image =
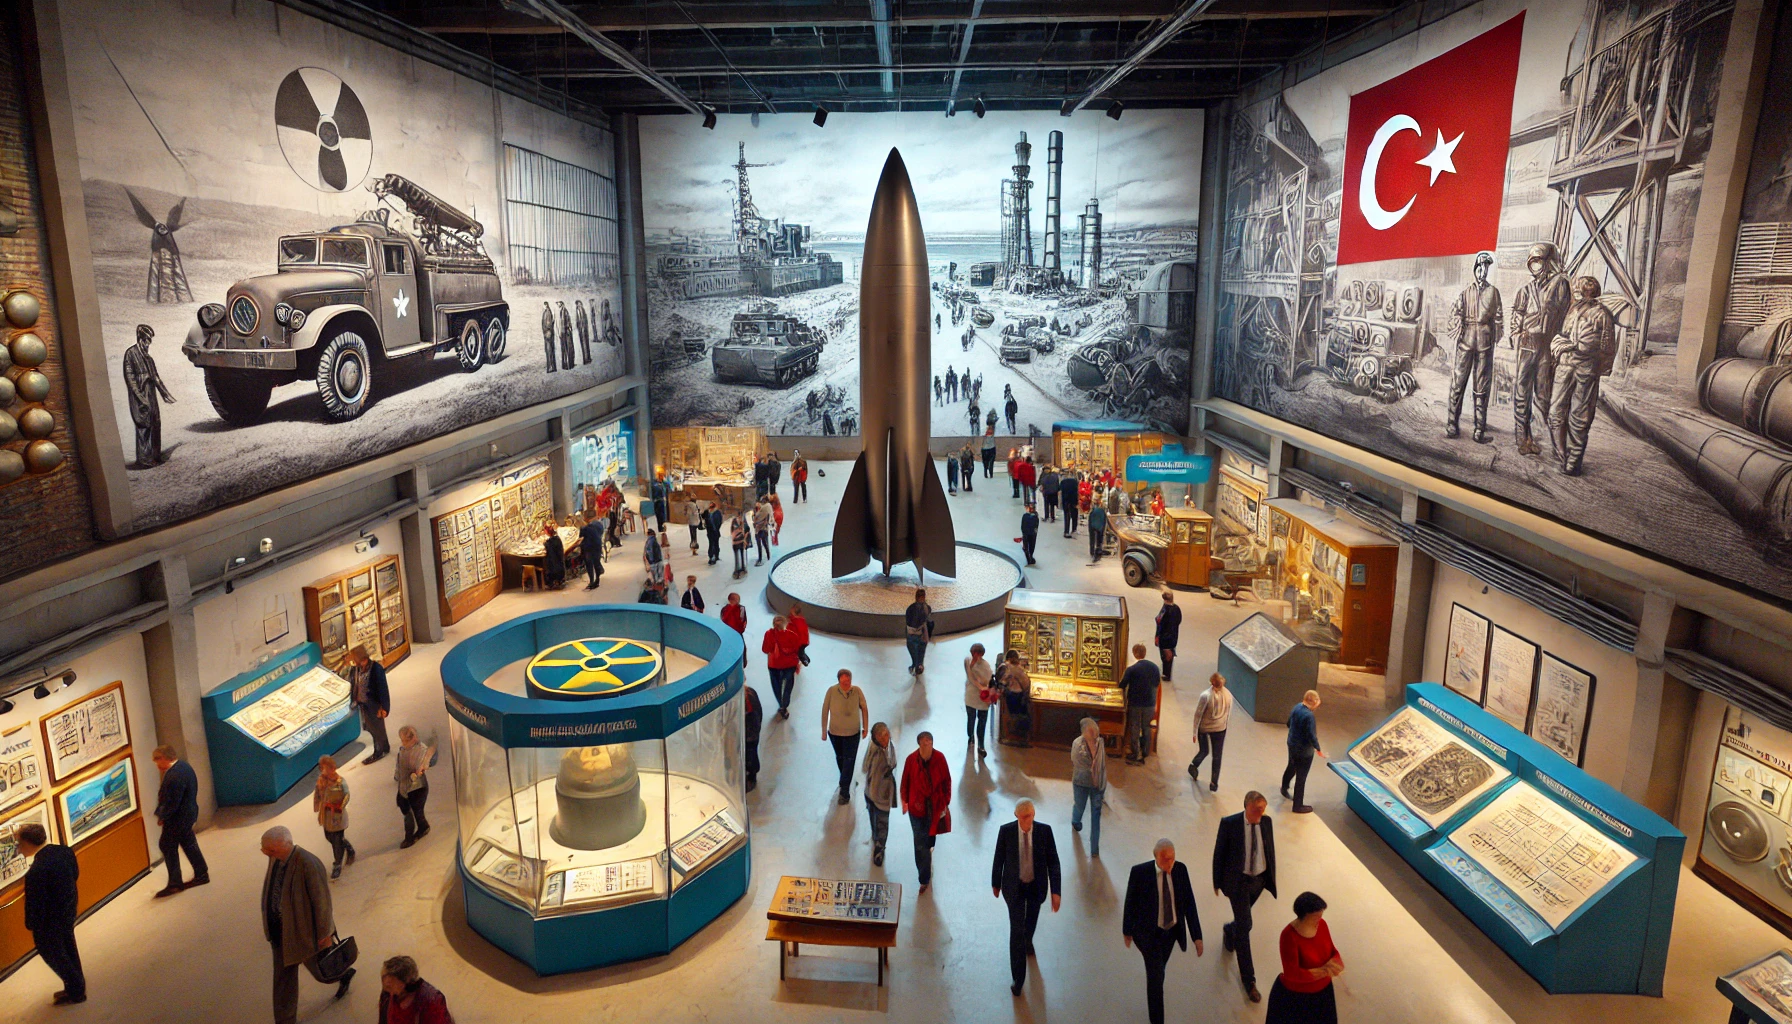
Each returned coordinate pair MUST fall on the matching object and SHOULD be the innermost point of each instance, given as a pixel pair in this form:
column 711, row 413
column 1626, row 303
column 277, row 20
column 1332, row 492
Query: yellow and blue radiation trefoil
column 593, row 667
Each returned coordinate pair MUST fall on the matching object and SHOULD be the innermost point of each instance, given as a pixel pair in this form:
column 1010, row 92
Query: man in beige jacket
column 296, row 918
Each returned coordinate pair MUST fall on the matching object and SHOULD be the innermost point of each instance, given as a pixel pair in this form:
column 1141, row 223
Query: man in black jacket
column 1067, row 498
column 372, row 698
column 1160, row 915
column 51, row 900
column 1029, row 533
column 591, row 549
column 1169, row 630
column 692, row 600
column 1244, row 865
column 755, row 718
column 177, row 808
column 712, row 525
column 1026, row 866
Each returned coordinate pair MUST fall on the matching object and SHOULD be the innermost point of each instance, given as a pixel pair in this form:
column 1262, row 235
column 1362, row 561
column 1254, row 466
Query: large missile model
column 894, row 508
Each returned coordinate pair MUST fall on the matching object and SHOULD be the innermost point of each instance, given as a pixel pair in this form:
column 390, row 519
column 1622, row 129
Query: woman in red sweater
column 781, row 648
column 1303, row 992
column 927, row 800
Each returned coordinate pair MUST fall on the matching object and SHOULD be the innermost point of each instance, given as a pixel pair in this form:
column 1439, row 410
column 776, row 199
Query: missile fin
column 851, row 526
column 936, row 544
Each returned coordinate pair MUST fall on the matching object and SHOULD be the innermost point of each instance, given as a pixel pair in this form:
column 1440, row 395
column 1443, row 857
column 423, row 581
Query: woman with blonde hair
column 330, row 801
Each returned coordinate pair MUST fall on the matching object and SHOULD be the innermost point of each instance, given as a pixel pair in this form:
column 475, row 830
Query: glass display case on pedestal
column 599, row 768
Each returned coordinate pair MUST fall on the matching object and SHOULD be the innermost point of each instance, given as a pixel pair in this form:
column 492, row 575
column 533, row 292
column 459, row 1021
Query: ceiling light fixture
column 42, row 691
column 1067, row 108
column 755, row 119
column 821, row 116
column 709, row 118
column 1115, row 109
column 978, row 108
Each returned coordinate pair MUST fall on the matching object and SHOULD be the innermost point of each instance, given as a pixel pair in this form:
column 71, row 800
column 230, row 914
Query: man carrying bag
column 299, row 924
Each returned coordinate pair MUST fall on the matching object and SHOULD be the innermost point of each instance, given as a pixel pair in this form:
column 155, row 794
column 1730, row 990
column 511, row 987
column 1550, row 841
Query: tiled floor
column 1411, row 957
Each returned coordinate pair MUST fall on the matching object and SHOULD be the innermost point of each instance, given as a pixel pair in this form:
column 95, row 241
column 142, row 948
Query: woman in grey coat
column 1088, row 781
column 880, row 788
column 413, row 785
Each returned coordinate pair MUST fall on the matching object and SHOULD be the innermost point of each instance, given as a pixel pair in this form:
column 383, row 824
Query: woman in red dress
column 1303, row 992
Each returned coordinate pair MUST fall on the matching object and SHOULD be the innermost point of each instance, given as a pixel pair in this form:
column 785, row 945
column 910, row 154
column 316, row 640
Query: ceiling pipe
column 552, row 10
column 964, row 50
column 880, row 21
column 1168, row 31
column 717, row 44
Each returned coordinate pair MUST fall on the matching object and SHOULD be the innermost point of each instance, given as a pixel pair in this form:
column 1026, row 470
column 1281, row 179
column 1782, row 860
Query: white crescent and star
column 1441, row 159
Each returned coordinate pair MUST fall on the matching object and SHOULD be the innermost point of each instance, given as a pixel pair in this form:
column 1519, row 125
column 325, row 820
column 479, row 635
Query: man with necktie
column 1244, row 865
column 1026, row 866
column 1159, row 915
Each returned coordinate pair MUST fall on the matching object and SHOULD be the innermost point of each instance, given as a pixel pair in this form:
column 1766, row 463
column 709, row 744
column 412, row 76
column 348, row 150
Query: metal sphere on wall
column 33, row 386
column 42, row 456
column 12, row 465
column 22, row 308
column 29, row 350
column 36, row 422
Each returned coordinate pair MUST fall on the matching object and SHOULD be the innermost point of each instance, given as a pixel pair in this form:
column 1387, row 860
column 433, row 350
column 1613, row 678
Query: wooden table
column 790, row 935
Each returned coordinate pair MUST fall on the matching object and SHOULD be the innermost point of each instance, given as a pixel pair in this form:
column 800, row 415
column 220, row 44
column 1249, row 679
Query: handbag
column 335, row 961
column 943, row 824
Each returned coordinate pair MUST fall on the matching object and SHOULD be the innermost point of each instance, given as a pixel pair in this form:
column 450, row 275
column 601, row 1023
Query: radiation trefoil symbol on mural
column 593, row 667
column 323, row 130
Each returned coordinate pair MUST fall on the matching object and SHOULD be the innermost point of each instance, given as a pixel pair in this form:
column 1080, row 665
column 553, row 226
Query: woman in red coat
column 800, row 626
column 782, row 651
column 1029, row 478
column 927, row 800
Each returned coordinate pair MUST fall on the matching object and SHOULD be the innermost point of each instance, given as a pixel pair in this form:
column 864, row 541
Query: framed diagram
column 79, row 734
column 1511, row 677
column 1465, row 657
column 1766, row 984
column 13, row 866
column 95, row 801
column 359, row 584
column 21, row 769
column 1564, row 705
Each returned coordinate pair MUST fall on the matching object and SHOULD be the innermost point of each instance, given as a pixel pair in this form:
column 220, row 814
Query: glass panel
column 706, row 790
column 352, row 251
column 487, row 817
column 594, row 819
column 298, row 250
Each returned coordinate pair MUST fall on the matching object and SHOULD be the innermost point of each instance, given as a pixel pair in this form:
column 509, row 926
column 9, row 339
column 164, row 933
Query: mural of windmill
column 167, row 281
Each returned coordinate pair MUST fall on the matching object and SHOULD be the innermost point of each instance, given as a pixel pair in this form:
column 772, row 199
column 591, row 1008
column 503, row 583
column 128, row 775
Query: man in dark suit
column 1026, row 866
column 177, row 809
column 1244, row 865
column 1160, row 915
column 591, row 549
column 51, row 900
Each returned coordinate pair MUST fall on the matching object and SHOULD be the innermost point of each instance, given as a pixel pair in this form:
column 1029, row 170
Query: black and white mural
column 1544, row 365
column 1062, row 252
column 311, row 250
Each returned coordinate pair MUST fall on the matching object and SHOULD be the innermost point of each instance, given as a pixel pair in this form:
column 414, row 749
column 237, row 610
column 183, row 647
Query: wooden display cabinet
column 1339, row 580
column 1096, row 445
column 360, row 606
column 1074, row 647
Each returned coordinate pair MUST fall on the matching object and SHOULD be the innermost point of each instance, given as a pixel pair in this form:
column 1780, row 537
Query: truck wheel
column 344, row 376
column 471, row 350
column 1133, row 568
column 240, row 398
column 494, row 340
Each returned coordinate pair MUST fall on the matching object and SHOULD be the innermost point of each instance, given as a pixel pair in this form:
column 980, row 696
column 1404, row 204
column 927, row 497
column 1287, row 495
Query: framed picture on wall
column 1511, row 677
column 1564, row 705
column 95, row 801
column 79, row 734
column 333, row 633
column 274, row 626
column 13, row 866
column 358, row 584
column 1465, row 656
column 21, row 770
column 329, row 597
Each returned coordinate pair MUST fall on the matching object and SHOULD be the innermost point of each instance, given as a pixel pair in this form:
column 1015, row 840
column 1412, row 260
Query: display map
column 1541, row 852
column 715, row 835
column 1768, row 984
column 295, row 714
column 836, row 900
column 1430, row 770
column 1257, row 642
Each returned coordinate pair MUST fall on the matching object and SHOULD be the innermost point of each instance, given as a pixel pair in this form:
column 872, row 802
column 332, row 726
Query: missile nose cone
column 893, row 237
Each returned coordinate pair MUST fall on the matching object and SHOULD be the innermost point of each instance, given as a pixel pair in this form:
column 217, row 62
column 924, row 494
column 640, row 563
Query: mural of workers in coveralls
column 1477, row 319
column 1537, row 314
column 547, row 335
column 583, row 323
column 1584, row 351
column 566, row 357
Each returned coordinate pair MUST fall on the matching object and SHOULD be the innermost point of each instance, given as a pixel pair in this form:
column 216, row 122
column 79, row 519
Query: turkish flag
column 1425, row 156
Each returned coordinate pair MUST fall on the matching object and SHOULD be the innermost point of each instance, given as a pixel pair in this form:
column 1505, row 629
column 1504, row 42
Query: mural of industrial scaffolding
column 1062, row 256
column 1545, row 369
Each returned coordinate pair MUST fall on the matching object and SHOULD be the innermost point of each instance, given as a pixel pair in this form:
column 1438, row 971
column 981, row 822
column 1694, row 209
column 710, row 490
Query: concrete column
column 632, row 232
column 1207, row 277
column 560, row 467
column 1281, row 454
column 1645, row 715
column 1744, row 78
column 171, row 652
column 1412, row 608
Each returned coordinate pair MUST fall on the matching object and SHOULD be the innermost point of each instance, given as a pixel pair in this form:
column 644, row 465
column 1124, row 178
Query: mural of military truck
column 344, row 302
column 767, row 347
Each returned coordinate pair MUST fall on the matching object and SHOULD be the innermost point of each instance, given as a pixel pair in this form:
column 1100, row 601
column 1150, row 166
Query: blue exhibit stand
column 1615, row 941
column 556, row 940
column 248, row 771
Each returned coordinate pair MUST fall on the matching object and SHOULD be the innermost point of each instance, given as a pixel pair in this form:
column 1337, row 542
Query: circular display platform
column 868, row 603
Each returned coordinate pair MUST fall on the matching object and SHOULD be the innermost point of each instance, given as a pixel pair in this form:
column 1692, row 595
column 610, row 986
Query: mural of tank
column 767, row 347
column 345, row 300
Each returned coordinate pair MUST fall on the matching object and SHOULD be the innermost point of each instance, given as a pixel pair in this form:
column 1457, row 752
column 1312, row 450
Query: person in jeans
column 1098, row 533
column 927, row 800
column 1303, row 743
column 405, row 998
column 1088, row 781
column 979, row 696
column 918, row 622
column 371, row 697
column 739, row 538
column 1017, row 698
column 781, row 646
column 413, row 785
column 755, row 718
column 1213, row 709
column 1140, row 684
column 845, row 719
column 762, row 530
column 330, row 802
column 1169, row 630
column 880, row 788
column 734, row 616
column 1029, row 533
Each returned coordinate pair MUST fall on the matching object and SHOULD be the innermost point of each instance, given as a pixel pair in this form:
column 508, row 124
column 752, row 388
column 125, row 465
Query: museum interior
column 1413, row 376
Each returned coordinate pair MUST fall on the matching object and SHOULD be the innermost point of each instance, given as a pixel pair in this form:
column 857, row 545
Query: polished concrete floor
column 1410, row 956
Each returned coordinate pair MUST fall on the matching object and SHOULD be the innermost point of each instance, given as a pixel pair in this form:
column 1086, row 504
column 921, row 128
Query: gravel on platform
column 807, row 577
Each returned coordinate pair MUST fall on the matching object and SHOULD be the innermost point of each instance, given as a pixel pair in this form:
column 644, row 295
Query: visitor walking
column 329, row 801
column 1303, row 992
column 411, row 774
column 1014, row 472
column 693, row 521
column 966, row 467
column 297, row 919
column 1029, row 479
column 845, row 720
column 800, row 626
column 762, row 530
column 734, row 616
column 738, row 537
column 980, row 695
column 372, row 698
column 1213, row 710
column 1159, row 916
column 405, row 998
column 177, row 809
column 1088, row 781
column 712, row 525
column 989, row 451
column 1025, row 868
column 1244, row 867
column 880, row 788
column 1303, row 743
column 927, row 800
column 780, row 647
column 591, row 550
column 917, row 622
column 1009, row 409
column 1048, row 492
column 1140, row 684
column 1169, row 630
column 1098, row 533
column 52, row 900
column 1029, row 533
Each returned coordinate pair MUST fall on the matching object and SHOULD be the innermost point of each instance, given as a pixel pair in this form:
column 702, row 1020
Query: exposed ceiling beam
column 554, row 11
column 880, row 25
column 733, row 70
column 717, row 44
column 1169, row 30
column 964, row 49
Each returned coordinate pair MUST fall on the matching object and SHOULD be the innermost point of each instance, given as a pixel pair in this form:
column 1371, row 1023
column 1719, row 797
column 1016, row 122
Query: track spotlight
column 709, row 118
column 1115, row 109
column 42, row 691
column 952, row 109
column 755, row 118
column 5, row 707
column 978, row 108
column 1067, row 108
column 821, row 116
column 68, row 679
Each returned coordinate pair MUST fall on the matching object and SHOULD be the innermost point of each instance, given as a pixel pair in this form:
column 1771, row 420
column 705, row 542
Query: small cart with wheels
column 1172, row 547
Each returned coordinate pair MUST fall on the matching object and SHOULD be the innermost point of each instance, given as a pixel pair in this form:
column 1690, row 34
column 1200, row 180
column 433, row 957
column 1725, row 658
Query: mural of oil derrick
column 1547, row 370
column 746, row 319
